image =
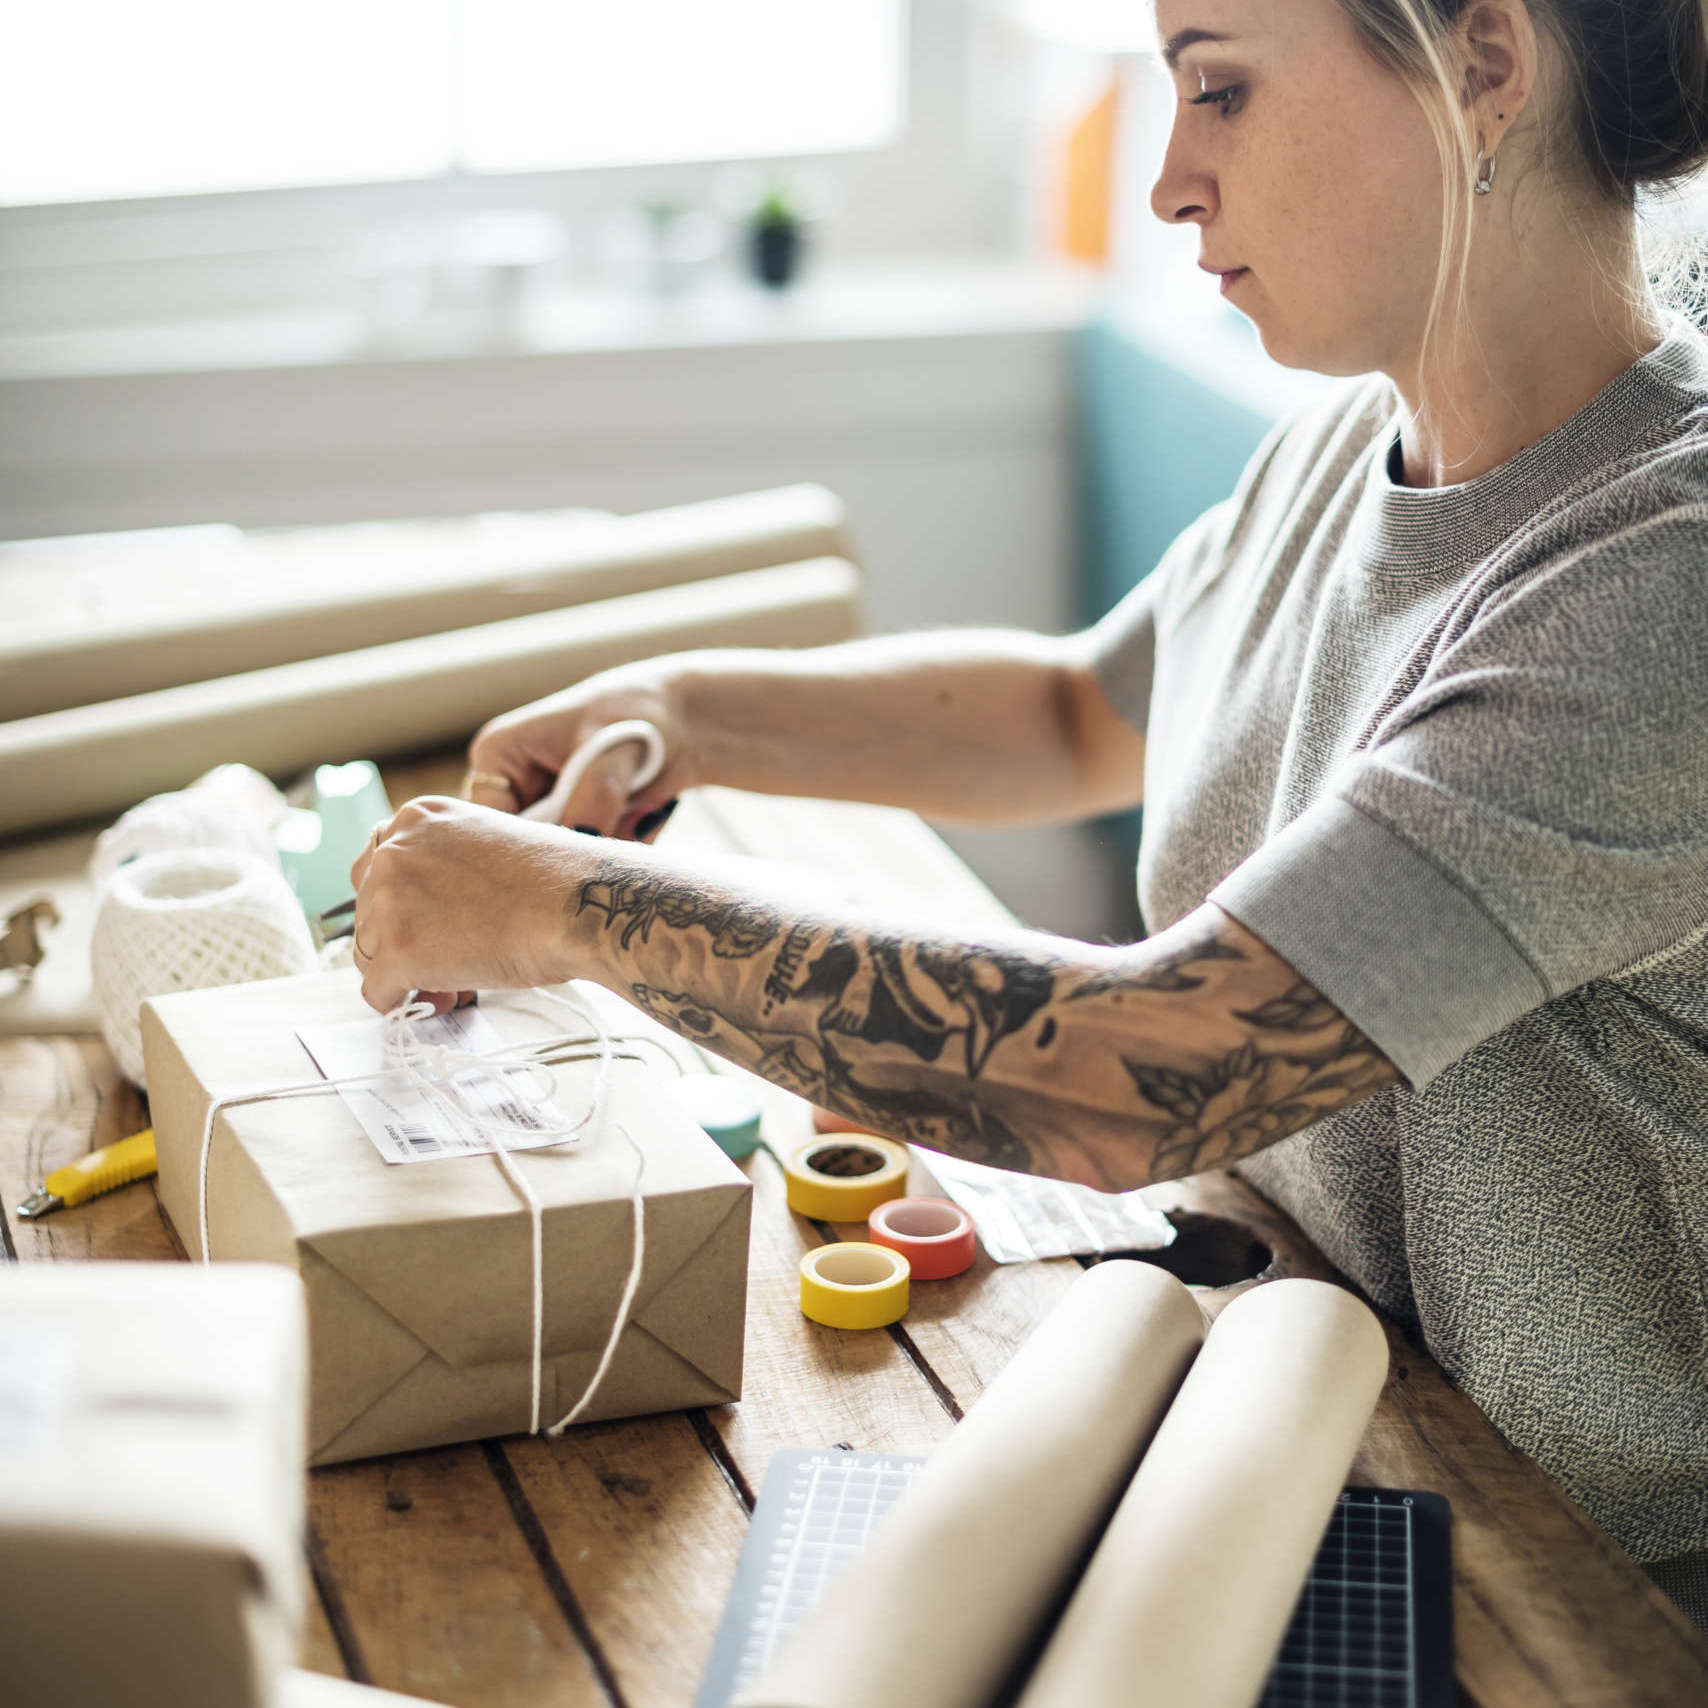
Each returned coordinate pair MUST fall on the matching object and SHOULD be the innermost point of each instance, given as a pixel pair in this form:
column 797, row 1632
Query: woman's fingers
column 507, row 769
column 492, row 789
column 459, row 897
column 381, row 993
column 599, row 799
column 359, row 870
column 380, row 987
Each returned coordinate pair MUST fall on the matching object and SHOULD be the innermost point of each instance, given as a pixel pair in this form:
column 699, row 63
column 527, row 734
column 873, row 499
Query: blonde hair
column 1412, row 37
column 1637, row 118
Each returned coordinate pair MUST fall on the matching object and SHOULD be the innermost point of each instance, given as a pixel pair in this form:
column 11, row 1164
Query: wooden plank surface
column 645, row 1524
column 442, row 1592
column 593, row 1569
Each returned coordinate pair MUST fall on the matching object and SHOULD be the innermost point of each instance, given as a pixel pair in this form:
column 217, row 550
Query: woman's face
column 1309, row 168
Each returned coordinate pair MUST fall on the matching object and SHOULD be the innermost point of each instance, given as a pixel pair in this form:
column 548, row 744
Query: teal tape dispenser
column 317, row 846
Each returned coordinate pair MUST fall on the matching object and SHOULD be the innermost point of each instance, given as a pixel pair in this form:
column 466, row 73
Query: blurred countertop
column 890, row 302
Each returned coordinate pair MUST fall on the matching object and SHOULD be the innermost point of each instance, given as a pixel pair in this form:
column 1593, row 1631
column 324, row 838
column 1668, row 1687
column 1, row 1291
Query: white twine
column 231, row 806
column 439, row 1072
column 186, row 919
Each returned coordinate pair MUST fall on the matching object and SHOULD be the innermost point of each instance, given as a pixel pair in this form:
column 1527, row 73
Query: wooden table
column 593, row 1569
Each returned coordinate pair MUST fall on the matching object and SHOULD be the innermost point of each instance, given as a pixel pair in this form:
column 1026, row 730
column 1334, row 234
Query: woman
column 1417, row 718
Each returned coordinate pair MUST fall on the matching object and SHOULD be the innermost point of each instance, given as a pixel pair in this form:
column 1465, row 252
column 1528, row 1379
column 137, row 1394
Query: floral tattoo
column 1116, row 1067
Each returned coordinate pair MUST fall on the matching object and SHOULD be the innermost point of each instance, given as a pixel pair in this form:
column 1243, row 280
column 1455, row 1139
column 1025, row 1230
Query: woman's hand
column 456, row 897
column 528, row 747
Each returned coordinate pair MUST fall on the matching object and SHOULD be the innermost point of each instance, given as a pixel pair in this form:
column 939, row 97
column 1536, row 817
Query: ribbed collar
column 1406, row 529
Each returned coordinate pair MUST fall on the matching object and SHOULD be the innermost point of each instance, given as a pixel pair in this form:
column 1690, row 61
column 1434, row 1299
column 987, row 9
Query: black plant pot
column 774, row 247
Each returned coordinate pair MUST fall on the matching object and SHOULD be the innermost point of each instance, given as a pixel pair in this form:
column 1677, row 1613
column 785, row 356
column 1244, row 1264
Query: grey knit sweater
column 1446, row 751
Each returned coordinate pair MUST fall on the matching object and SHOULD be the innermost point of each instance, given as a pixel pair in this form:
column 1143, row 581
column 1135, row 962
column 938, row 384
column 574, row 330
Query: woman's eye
column 1227, row 100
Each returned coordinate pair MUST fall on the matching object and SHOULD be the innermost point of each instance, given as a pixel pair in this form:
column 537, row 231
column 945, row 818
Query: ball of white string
column 186, row 919
column 232, row 806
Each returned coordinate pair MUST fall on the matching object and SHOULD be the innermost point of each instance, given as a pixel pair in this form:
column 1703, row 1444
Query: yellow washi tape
column 844, row 1177
column 854, row 1286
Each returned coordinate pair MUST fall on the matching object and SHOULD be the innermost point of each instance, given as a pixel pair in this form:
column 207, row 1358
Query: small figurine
column 21, row 947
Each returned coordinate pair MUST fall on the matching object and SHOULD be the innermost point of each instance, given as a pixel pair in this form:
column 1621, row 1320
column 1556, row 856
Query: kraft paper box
column 419, row 1275
column 151, row 1487
column 315, row 1690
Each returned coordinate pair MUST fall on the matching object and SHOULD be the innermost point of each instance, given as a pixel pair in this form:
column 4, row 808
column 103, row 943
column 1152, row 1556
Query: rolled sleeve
column 1532, row 816
column 1389, row 937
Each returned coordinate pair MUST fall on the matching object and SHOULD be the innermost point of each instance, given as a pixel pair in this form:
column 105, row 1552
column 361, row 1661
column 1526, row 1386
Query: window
column 102, row 100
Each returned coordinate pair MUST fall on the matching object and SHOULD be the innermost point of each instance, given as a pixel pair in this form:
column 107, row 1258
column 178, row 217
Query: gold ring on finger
column 356, row 947
column 487, row 780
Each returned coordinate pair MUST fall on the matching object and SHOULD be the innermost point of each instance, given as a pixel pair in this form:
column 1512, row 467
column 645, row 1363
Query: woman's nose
column 1184, row 194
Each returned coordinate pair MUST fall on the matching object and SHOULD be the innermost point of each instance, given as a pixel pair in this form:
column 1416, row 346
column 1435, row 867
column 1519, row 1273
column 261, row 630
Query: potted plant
column 775, row 238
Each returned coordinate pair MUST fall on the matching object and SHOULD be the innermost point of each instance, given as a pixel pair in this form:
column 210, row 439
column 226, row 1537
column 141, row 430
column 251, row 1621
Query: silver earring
column 1484, row 181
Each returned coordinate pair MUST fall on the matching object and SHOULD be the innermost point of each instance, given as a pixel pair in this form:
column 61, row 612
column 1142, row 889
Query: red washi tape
column 828, row 1121
column 935, row 1236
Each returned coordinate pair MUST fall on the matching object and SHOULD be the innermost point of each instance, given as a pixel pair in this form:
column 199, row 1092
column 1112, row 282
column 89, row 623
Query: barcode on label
column 422, row 1140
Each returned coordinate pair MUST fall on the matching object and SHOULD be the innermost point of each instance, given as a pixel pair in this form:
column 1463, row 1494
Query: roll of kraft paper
column 1188, row 1596
column 407, row 696
column 948, row 1595
column 285, row 590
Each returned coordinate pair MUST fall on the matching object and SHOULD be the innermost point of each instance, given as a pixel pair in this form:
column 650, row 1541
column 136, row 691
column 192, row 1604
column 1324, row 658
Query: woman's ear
column 1500, row 52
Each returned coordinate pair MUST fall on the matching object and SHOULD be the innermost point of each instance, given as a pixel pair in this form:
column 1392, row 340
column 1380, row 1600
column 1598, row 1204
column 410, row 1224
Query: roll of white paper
column 186, row 920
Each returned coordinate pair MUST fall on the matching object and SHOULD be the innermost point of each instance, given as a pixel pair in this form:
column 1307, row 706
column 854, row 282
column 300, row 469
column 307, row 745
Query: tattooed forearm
column 1162, row 972
column 1112, row 1066
column 1248, row 1100
column 779, row 982
column 634, row 902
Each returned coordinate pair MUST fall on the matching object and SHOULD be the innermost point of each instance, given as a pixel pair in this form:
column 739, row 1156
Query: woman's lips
column 1228, row 277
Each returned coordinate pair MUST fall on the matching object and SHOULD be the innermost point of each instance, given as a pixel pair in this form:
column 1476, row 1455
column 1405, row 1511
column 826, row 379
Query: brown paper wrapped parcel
column 151, row 1489
column 419, row 1276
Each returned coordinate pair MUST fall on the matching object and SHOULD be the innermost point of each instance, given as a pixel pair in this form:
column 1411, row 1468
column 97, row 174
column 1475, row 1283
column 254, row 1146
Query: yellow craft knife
column 100, row 1171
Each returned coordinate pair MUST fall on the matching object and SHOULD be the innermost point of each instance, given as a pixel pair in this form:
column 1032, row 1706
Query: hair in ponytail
column 1637, row 119
column 1641, row 68
column 1638, row 69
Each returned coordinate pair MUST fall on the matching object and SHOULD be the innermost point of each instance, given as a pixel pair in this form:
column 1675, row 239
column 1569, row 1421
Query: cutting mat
column 1373, row 1627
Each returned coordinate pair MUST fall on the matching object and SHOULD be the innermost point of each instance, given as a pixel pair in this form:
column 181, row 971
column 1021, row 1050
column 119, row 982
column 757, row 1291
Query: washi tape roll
column 935, row 1236
column 727, row 1109
column 850, row 1285
column 845, row 1179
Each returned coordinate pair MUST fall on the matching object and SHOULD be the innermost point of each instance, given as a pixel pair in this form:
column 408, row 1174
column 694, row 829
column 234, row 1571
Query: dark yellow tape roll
column 844, row 1177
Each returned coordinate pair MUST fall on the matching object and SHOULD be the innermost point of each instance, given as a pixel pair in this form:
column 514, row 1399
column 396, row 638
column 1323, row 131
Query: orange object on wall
column 1088, row 179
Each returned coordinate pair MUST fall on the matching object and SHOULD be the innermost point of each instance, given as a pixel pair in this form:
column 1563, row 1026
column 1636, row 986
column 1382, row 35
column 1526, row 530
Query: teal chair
column 1157, row 447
